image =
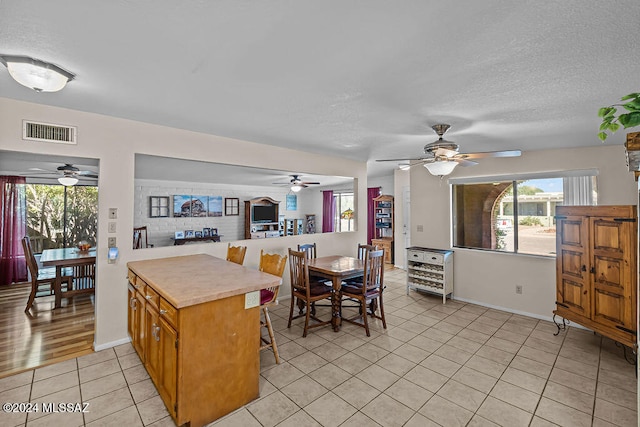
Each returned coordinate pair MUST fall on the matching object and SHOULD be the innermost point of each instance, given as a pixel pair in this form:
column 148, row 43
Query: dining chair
column 42, row 279
column 370, row 289
column 363, row 249
column 236, row 253
column 305, row 291
column 272, row 264
column 140, row 239
column 309, row 248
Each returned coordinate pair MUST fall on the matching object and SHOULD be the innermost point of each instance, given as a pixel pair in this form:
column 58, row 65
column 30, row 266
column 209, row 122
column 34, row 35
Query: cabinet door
column 152, row 344
column 168, row 386
column 573, row 281
column 612, row 276
column 139, row 324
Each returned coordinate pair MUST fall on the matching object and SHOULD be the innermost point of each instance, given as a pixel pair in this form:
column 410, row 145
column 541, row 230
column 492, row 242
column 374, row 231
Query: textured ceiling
column 359, row 79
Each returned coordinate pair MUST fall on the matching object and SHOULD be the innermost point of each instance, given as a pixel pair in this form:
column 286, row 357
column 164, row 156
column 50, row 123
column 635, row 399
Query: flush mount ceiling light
column 441, row 167
column 68, row 181
column 36, row 74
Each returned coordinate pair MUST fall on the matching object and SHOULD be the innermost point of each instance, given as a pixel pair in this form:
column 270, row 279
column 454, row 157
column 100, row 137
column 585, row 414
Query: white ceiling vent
column 47, row 132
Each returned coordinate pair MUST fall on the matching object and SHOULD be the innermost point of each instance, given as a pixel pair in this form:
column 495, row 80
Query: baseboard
column 111, row 344
column 508, row 310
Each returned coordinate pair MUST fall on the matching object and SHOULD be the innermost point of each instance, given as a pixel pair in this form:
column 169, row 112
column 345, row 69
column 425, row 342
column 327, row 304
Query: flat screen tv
column 263, row 213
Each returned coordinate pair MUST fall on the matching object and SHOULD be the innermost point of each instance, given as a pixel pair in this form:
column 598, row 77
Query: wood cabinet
column 384, row 225
column 430, row 270
column 596, row 282
column 198, row 334
column 260, row 229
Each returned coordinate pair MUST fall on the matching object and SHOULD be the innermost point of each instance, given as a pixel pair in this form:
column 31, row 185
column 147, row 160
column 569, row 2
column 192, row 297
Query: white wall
column 490, row 278
column 115, row 142
column 385, row 183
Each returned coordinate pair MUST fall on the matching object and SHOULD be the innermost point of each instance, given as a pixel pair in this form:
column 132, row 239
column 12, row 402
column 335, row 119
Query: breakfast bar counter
column 195, row 323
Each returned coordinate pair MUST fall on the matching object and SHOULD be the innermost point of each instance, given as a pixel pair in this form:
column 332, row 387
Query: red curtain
column 13, row 227
column 372, row 193
column 328, row 211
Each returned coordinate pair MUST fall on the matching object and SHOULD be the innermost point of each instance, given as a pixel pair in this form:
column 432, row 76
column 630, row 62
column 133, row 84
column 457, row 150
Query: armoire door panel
column 572, row 263
column 606, row 235
column 571, row 233
column 608, row 272
column 610, row 308
column 575, row 296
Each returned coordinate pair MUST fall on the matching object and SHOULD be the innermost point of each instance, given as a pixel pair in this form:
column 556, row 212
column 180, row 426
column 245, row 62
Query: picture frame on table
column 206, row 232
column 214, row 231
column 189, row 234
column 199, row 234
column 179, row 235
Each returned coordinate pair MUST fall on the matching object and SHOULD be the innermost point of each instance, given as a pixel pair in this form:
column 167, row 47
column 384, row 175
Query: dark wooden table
column 336, row 268
column 178, row 242
column 61, row 258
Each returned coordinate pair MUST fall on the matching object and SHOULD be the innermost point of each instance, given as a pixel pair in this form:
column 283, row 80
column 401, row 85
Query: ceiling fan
column 442, row 156
column 68, row 174
column 296, row 183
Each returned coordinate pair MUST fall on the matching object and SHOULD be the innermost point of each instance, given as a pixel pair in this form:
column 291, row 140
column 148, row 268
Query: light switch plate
column 112, row 242
column 251, row 299
column 113, row 213
column 112, row 227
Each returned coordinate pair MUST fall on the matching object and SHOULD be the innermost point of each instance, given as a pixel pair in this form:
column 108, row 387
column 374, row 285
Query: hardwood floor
column 43, row 336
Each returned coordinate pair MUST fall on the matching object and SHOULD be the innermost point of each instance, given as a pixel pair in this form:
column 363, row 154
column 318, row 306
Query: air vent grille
column 47, row 132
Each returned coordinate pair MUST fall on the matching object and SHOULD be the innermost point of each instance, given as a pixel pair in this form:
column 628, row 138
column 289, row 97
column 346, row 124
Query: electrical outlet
column 518, row 289
column 251, row 299
column 112, row 242
column 113, row 213
column 112, row 227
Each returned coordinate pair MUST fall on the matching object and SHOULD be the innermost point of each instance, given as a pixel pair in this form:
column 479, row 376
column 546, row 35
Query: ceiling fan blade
column 507, row 153
column 404, row 160
column 465, row 162
column 310, row 183
column 444, row 152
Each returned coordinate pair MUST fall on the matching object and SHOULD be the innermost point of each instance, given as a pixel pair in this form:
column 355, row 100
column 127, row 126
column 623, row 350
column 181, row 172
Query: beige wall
column 490, row 278
column 115, row 141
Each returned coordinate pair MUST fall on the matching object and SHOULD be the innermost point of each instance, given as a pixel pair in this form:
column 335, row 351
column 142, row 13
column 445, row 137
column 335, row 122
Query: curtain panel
column 328, row 211
column 13, row 227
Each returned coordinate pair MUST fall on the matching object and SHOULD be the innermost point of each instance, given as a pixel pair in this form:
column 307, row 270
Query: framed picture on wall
column 215, row 205
column 231, row 206
column 158, row 206
column 181, row 205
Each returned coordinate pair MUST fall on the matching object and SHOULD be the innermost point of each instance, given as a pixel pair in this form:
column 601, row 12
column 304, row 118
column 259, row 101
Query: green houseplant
column 612, row 122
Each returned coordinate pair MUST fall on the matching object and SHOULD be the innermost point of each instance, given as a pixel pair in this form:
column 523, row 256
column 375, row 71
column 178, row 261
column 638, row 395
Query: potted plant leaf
column 612, row 122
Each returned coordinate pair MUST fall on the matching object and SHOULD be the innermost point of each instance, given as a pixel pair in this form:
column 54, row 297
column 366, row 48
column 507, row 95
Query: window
column 516, row 214
column 344, row 213
column 59, row 216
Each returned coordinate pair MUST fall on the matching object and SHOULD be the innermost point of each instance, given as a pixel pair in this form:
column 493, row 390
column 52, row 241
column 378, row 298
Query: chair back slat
column 140, row 237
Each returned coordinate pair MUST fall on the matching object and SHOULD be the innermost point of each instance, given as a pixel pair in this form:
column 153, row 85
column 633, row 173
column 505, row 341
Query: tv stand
column 260, row 230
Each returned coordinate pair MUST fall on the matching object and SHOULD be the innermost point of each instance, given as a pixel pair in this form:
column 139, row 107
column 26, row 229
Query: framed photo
column 181, row 205
column 199, row 206
column 231, row 206
column 292, row 202
column 198, row 233
column 158, row 206
column 189, row 234
column 206, row 232
column 179, row 235
column 214, row 231
column 214, row 205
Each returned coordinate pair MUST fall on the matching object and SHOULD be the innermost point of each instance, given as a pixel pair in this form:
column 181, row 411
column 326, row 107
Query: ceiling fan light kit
column 296, row 187
column 441, row 167
column 68, row 181
column 35, row 74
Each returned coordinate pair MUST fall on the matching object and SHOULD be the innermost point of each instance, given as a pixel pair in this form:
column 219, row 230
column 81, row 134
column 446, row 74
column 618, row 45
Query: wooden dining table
column 336, row 268
column 61, row 258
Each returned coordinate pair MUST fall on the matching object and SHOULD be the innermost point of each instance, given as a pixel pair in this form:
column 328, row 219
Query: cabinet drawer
column 132, row 277
column 152, row 296
column 168, row 312
column 433, row 258
column 417, row 256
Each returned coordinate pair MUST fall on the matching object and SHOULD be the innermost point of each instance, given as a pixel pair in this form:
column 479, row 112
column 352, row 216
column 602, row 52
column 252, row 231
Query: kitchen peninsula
column 195, row 323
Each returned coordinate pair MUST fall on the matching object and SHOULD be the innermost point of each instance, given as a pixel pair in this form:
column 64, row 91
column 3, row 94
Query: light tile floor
column 450, row 365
